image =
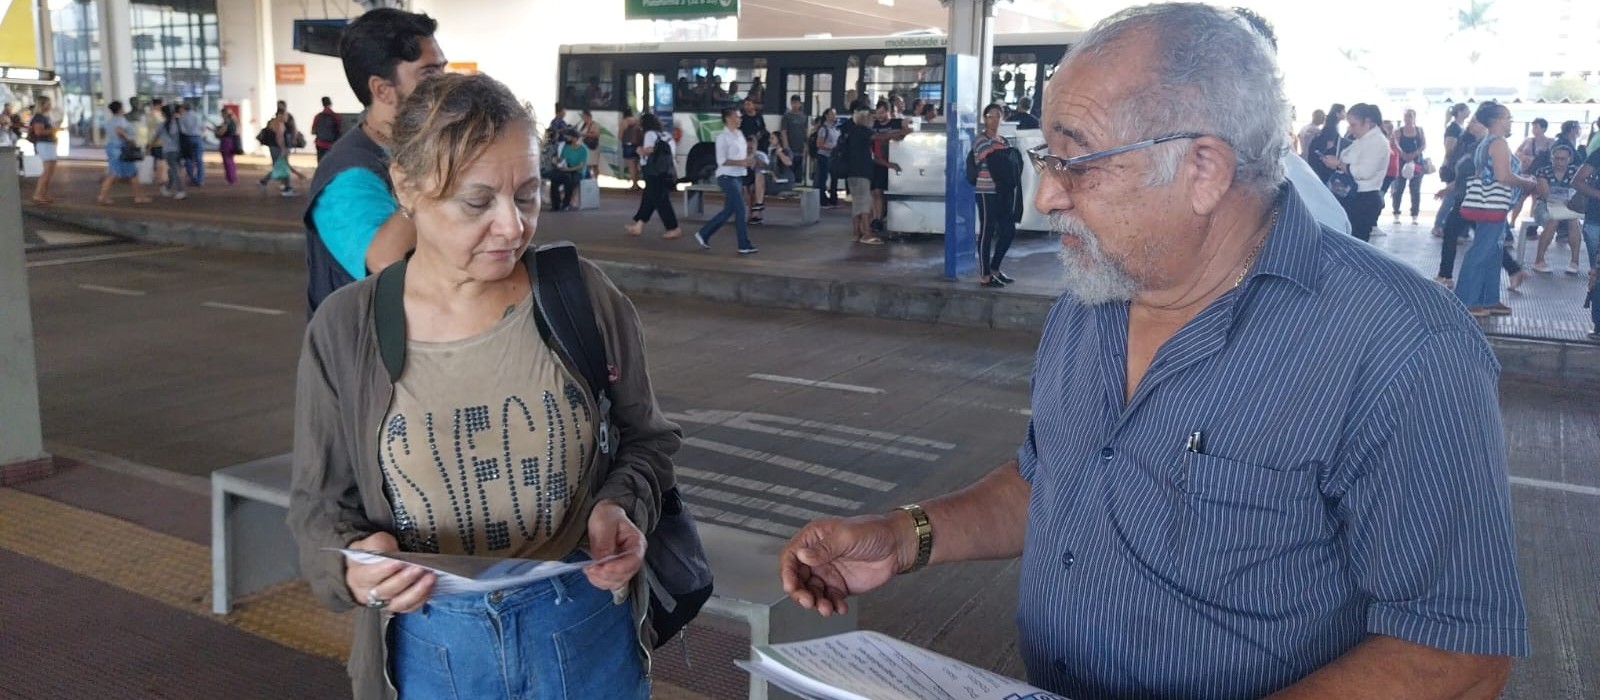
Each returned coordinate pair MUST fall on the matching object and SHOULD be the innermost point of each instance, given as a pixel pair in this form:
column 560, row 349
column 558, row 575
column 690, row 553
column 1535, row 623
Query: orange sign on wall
column 290, row 73
column 463, row 67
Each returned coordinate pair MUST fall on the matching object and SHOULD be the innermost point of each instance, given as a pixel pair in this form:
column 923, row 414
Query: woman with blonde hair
column 480, row 438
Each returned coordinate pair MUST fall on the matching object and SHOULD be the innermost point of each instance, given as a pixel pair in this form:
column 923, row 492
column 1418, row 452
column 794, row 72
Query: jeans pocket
column 419, row 667
column 599, row 657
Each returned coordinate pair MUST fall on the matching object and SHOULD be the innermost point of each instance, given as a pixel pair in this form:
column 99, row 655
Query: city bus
column 695, row 80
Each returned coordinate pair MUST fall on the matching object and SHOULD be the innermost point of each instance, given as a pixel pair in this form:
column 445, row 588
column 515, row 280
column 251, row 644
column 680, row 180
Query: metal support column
column 970, row 52
column 22, row 452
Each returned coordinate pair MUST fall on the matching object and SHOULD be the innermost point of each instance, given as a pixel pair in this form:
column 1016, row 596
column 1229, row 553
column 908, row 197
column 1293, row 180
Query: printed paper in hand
column 871, row 666
column 464, row 574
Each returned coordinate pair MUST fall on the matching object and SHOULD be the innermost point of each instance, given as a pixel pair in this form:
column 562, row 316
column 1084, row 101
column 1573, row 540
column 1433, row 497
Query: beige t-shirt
column 486, row 443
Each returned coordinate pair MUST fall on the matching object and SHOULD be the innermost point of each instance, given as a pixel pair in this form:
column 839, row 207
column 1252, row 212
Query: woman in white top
column 1366, row 160
column 733, row 162
column 658, row 185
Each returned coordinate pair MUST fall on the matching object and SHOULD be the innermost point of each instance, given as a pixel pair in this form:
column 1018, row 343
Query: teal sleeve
column 348, row 212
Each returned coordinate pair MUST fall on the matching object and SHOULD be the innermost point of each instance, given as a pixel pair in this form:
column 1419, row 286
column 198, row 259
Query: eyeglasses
column 1070, row 170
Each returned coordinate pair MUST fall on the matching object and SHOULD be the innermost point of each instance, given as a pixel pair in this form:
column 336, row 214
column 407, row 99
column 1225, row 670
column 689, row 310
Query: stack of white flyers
column 871, row 666
column 464, row 574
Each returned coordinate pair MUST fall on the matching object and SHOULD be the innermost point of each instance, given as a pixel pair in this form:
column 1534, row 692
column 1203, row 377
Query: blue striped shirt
column 1350, row 481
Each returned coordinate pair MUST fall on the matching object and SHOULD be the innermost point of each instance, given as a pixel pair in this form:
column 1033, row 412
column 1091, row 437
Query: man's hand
column 1330, row 161
column 831, row 560
column 406, row 587
column 611, row 532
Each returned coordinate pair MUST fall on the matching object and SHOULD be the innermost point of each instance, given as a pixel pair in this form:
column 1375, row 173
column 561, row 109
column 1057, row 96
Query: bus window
column 1014, row 77
column 706, row 86
column 908, row 75
column 588, row 83
column 814, row 87
column 852, row 81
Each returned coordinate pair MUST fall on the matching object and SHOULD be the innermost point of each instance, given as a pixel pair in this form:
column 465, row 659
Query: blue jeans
column 1479, row 281
column 174, row 170
column 1445, row 206
column 732, row 206
column 195, row 165
column 819, row 180
column 557, row 638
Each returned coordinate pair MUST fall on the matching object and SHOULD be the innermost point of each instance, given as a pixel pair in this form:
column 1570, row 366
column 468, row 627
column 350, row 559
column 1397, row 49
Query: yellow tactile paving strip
column 175, row 572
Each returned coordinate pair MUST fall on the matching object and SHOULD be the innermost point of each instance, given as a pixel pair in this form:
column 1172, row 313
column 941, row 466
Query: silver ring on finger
column 373, row 601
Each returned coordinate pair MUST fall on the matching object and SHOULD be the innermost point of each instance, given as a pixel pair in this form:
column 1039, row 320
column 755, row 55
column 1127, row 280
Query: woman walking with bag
column 122, row 156
column 660, row 173
column 525, row 477
column 1496, row 184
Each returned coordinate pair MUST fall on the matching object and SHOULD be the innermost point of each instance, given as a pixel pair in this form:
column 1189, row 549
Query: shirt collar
column 1293, row 249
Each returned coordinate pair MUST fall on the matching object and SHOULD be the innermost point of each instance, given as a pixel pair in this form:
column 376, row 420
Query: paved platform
column 810, row 267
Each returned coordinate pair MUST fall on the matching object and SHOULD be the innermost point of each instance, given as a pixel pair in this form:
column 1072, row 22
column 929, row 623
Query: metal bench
column 745, row 566
column 251, row 548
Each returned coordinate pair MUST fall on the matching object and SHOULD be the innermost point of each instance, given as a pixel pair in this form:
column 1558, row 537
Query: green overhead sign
column 681, row 9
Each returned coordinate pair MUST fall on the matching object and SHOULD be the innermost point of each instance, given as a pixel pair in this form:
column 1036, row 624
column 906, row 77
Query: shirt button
column 1067, row 559
column 1107, row 454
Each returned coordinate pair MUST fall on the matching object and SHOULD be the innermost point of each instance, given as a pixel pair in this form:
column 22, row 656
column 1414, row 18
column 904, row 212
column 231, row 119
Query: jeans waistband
column 554, row 589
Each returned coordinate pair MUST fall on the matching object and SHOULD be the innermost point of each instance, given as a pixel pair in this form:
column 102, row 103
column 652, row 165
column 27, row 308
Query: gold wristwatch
column 919, row 518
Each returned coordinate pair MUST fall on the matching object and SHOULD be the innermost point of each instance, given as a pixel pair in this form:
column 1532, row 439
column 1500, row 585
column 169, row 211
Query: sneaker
column 180, row 195
column 1003, row 277
column 1572, row 269
column 1414, row 221
column 877, row 225
column 700, row 237
column 289, row 192
column 1397, row 217
column 752, row 250
column 755, row 221
column 165, row 192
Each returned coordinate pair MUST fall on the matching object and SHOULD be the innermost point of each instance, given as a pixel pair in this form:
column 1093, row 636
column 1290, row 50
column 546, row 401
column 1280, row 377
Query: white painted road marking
column 111, row 290
column 761, row 505
column 246, row 309
column 1556, row 486
column 740, row 420
column 815, row 383
column 790, row 463
column 707, row 513
column 107, row 256
column 764, row 487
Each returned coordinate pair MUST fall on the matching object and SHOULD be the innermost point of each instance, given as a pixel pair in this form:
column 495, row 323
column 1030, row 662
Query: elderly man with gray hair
column 1263, row 458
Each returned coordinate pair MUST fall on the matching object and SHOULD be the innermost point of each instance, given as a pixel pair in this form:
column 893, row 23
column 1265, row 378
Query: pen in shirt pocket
column 1195, row 445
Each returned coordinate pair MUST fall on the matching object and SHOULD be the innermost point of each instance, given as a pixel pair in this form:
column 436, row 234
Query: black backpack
column 839, row 163
column 660, row 160
column 675, row 563
column 266, row 137
column 326, row 127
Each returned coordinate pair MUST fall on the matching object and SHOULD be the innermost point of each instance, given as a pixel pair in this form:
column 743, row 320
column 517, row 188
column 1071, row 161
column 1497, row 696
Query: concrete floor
column 184, row 360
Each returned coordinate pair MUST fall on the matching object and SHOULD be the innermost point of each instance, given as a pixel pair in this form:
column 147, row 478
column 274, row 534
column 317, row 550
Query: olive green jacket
column 343, row 393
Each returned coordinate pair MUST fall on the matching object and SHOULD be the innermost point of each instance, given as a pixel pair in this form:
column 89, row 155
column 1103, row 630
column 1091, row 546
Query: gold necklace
column 1257, row 250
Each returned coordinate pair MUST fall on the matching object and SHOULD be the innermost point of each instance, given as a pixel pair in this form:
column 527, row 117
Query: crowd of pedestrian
column 1487, row 185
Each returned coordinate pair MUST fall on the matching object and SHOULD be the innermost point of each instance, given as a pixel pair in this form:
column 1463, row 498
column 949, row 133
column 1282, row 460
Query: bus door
column 813, row 85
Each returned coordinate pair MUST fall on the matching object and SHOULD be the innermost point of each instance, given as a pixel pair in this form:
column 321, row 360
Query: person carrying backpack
column 660, row 175
column 566, row 455
column 326, row 128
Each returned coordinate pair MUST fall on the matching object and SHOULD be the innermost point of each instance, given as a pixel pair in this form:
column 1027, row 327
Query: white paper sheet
column 464, row 574
column 871, row 666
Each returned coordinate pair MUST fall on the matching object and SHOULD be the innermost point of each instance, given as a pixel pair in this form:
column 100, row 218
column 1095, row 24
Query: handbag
column 1427, row 166
column 130, row 152
column 1485, row 201
column 1341, row 184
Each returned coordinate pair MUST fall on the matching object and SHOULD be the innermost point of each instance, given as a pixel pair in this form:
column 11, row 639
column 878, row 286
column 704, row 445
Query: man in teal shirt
column 353, row 224
column 571, row 164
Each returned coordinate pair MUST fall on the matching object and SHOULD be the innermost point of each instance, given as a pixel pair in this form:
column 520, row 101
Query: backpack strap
column 567, row 316
column 389, row 318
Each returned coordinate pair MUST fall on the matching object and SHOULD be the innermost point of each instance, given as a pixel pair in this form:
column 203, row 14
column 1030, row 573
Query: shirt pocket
column 1246, row 528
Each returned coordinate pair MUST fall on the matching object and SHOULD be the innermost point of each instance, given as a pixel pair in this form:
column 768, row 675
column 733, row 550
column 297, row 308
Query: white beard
column 1092, row 278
